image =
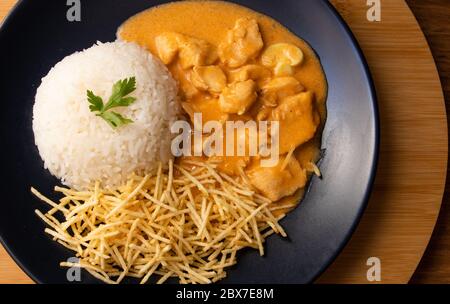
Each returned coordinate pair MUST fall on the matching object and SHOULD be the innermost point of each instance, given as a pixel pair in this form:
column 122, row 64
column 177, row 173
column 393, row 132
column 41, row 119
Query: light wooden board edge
column 406, row 200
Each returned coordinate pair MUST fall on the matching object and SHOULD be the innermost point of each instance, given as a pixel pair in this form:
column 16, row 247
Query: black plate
column 37, row 35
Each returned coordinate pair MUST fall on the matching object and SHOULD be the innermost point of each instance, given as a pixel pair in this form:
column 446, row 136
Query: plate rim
column 377, row 135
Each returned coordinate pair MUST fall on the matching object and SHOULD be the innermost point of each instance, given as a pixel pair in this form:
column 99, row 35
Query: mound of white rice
column 77, row 146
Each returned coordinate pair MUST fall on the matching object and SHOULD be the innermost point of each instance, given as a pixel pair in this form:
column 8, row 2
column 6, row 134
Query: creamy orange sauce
column 210, row 21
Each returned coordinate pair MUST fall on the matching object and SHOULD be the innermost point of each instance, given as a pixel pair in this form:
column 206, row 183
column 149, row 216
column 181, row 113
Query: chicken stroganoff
column 233, row 64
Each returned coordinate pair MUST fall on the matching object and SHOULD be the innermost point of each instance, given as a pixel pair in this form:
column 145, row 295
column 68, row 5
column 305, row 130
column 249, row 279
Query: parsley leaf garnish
column 118, row 98
column 114, row 119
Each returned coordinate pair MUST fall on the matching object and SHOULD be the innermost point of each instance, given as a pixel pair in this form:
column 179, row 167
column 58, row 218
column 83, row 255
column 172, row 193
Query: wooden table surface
column 434, row 17
column 400, row 218
column 408, row 189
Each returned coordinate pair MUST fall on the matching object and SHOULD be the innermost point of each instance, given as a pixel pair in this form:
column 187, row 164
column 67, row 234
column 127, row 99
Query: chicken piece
column 263, row 113
column 196, row 52
column 238, row 97
column 279, row 88
column 208, row 78
column 208, row 107
column 233, row 163
column 298, row 120
column 167, row 45
column 282, row 57
column 187, row 90
column 254, row 72
column 242, row 43
column 277, row 182
column 190, row 51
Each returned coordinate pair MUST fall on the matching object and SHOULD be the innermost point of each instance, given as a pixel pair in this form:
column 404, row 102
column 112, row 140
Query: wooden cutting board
column 402, row 212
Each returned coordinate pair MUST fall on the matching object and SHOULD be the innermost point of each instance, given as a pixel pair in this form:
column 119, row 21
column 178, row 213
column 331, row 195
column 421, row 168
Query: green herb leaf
column 125, row 102
column 118, row 99
column 121, row 89
column 96, row 102
column 114, row 119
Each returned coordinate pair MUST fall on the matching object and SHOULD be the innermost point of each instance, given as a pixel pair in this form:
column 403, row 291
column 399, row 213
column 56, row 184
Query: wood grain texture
column 10, row 273
column 402, row 211
column 433, row 16
column 399, row 220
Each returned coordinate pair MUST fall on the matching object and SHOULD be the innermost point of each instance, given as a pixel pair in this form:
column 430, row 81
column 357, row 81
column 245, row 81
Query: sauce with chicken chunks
column 232, row 63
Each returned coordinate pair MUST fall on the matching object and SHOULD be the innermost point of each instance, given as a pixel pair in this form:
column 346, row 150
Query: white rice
column 79, row 147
